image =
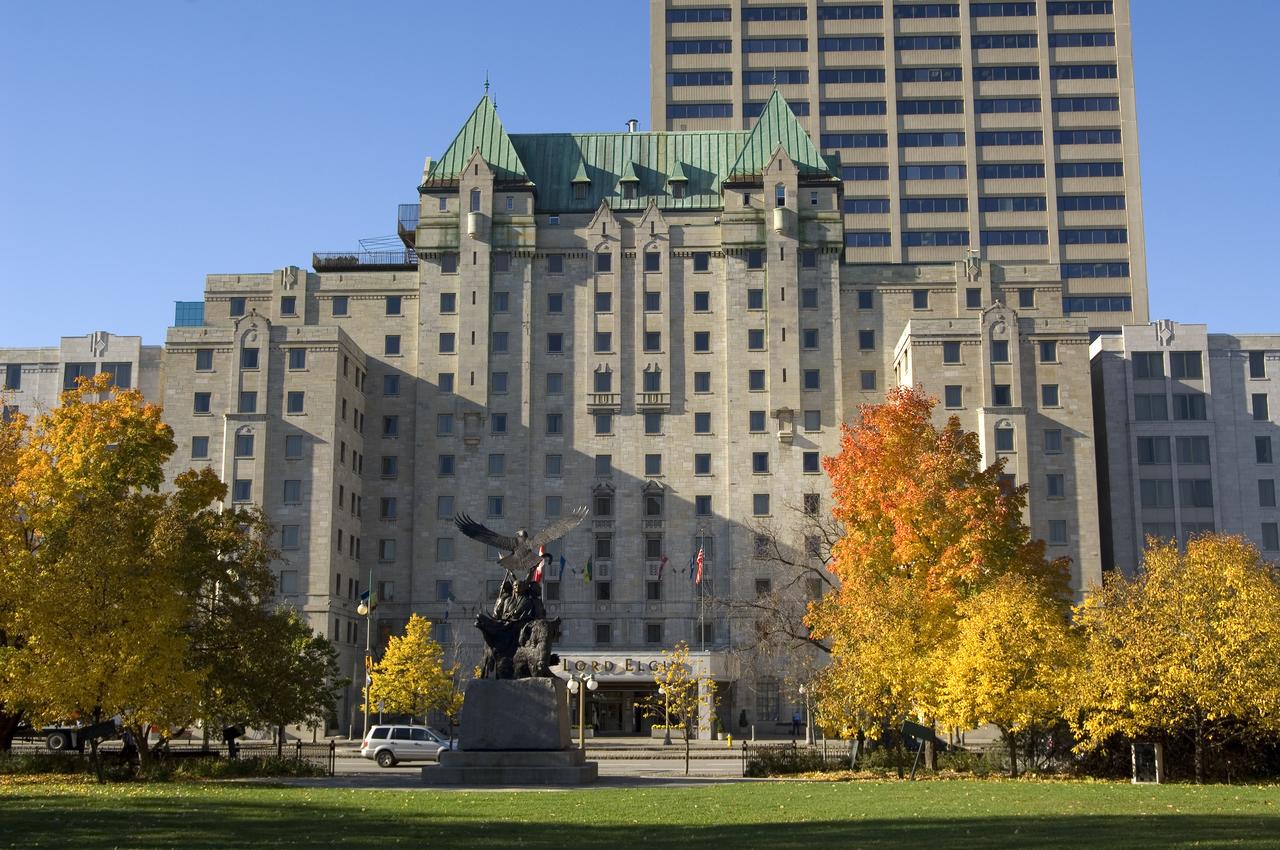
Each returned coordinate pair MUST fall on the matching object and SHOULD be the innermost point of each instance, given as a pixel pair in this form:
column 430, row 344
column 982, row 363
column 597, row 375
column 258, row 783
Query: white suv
column 388, row 745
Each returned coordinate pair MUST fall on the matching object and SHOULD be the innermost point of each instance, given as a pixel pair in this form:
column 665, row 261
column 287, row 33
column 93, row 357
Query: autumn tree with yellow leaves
column 115, row 590
column 926, row 527
column 1010, row 663
column 411, row 678
column 1188, row 646
column 682, row 694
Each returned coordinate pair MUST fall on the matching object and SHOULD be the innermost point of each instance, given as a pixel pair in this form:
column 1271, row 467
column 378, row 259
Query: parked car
column 388, row 745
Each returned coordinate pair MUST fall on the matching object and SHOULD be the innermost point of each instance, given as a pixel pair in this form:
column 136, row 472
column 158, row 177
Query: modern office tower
column 32, row 379
column 1006, row 129
column 1190, row 429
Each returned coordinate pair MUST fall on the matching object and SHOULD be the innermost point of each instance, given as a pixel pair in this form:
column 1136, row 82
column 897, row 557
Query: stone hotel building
column 670, row 326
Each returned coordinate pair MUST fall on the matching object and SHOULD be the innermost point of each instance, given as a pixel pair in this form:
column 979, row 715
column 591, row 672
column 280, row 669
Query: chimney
column 632, row 125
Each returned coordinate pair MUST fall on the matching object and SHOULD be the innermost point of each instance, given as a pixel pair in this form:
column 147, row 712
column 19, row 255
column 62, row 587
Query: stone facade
column 1191, row 428
column 32, row 379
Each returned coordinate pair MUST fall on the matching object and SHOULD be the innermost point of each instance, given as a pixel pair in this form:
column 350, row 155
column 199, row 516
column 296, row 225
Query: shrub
column 43, row 763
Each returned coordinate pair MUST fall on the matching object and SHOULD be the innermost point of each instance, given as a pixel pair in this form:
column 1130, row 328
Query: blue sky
column 144, row 145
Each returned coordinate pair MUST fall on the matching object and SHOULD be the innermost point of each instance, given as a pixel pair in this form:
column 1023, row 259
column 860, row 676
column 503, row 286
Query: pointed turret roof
column 581, row 176
column 677, row 174
column 629, row 173
column 482, row 132
column 776, row 126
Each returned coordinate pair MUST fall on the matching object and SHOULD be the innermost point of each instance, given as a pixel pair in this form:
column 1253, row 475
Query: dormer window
column 629, row 191
column 677, row 190
column 580, row 191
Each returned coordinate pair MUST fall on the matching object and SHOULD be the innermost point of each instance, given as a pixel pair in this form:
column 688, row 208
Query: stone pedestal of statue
column 514, row 732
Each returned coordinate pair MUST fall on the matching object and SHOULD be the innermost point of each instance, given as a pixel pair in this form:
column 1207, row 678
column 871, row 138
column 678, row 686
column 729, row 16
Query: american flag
column 698, row 579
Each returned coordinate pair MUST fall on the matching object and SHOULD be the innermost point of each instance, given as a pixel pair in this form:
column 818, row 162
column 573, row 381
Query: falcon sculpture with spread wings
column 522, row 551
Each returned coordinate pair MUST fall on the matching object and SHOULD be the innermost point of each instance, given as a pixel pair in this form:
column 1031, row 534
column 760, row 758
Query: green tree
column 411, row 678
column 1190, row 642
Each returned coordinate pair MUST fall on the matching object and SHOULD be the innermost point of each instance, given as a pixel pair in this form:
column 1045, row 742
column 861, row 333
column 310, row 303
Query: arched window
column 780, row 195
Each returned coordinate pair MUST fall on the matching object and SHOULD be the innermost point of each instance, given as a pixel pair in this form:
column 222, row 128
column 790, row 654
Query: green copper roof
column 484, row 132
column 554, row 159
column 558, row 163
column 777, row 125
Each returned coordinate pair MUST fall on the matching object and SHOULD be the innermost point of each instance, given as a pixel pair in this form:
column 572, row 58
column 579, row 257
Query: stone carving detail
column 972, row 267
column 98, row 341
column 1164, row 332
column 518, row 636
column 289, row 278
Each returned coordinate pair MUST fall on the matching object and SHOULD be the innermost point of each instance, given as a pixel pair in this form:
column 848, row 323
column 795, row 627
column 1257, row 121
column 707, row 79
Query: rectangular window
column 1259, row 406
column 1262, row 449
column 953, row 396
column 391, row 345
column 603, row 424
column 702, row 423
column 1193, row 450
column 1185, row 364
column 555, row 383
column 1049, row 395
column 755, row 339
column 295, row 401
column 391, row 426
column 755, row 380
column 652, row 341
column 1151, row 407
column 1195, row 492
column 760, row 463
column 501, row 302
column 1001, row 395
column 292, row 492
column 449, row 263
column 445, row 465
column 702, row 464
column 495, row 506
column 248, row 358
column 652, row 465
column 812, row 379
column 199, row 448
column 755, row 258
column 201, row 403
column 756, row 421
column 498, row 383
column 1257, row 364
column 1053, row 441
column 866, row 340
column 652, row 423
column 497, row 423
column 1266, row 493
column 812, row 420
column 1153, row 451
column 760, row 504
column 811, row 463
column 604, row 342
column 1058, row 532
column 1191, row 406
column 244, row 445
column 242, row 490
column 808, row 298
column 555, row 423
column 652, row 302
column 1270, row 536
column 950, row 352
column 237, row 307
column 1004, row 439
column 390, row 466
column 248, row 401
column 1156, row 492
column 447, row 343
column 339, row 305
column 444, row 424
column 1056, row 485
column 1048, row 352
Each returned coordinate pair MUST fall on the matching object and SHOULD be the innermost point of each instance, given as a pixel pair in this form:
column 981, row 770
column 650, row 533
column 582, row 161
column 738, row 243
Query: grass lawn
column 813, row 816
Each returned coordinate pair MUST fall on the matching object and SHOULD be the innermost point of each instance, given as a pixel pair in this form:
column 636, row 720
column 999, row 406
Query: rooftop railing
column 364, row 261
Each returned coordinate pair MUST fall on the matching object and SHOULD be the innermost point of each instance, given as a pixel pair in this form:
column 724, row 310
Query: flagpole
column 368, row 635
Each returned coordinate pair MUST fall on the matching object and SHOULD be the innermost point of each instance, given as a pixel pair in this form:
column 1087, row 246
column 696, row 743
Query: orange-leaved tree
column 927, row 526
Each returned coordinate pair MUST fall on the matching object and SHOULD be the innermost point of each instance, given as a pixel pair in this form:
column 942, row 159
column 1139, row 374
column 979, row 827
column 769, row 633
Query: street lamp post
column 364, row 610
column 582, row 686
column 808, row 717
column 666, row 715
